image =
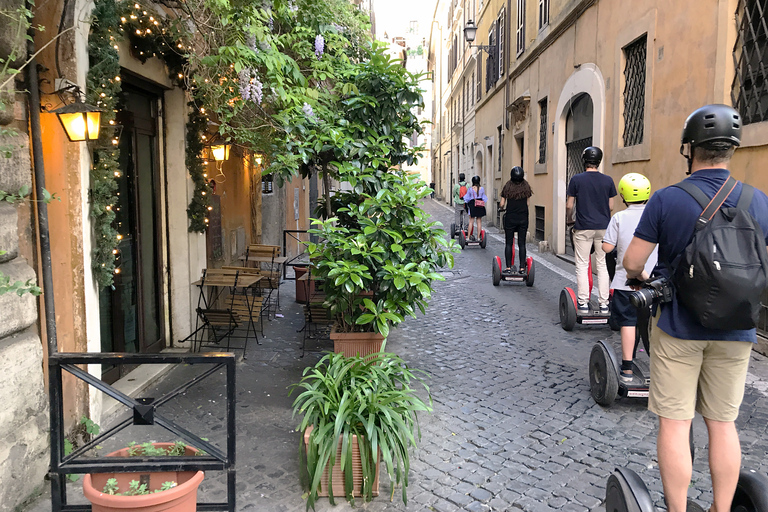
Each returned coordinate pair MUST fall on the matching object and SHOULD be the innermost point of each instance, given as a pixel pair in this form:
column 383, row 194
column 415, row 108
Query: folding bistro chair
column 266, row 259
column 317, row 317
column 220, row 323
column 245, row 302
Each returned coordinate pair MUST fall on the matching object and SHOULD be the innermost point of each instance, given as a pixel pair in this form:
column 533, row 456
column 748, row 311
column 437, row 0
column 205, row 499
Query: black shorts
column 622, row 311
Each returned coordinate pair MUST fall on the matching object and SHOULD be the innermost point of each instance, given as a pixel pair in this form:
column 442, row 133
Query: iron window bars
column 749, row 91
column 543, row 131
column 634, row 91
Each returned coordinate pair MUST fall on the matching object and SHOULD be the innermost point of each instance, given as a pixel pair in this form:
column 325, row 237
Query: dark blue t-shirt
column 668, row 220
column 592, row 190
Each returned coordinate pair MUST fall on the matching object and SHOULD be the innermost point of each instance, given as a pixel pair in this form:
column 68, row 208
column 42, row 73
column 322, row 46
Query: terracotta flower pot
column 356, row 343
column 182, row 498
column 338, row 477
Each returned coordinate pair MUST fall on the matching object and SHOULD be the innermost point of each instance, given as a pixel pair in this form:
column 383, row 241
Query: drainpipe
column 36, row 142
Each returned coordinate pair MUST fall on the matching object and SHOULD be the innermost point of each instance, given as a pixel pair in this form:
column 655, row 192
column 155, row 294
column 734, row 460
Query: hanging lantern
column 80, row 121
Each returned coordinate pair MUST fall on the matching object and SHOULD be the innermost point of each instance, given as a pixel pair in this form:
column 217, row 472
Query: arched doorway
column 578, row 136
column 585, row 85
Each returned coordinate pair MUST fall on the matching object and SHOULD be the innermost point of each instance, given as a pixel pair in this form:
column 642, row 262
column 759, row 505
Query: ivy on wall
column 103, row 90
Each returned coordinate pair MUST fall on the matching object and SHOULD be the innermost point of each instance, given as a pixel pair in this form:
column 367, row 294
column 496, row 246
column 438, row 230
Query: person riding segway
column 475, row 199
column 459, row 206
column 514, row 201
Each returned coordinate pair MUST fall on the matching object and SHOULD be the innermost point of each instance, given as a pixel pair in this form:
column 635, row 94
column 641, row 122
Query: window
column 543, row 131
column 472, row 89
column 501, row 147
column 520, row 26
column 492, row 68
column 749, row 91
column 540, row 218
column 500, row 24
column 479, row 78
column 543, row 13
column 634, row 91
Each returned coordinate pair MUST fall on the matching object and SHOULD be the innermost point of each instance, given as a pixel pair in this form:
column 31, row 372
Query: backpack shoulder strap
column 710, row 206
column 747, row 192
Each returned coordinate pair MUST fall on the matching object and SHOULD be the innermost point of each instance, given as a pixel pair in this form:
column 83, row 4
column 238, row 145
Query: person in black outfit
column 514, row 198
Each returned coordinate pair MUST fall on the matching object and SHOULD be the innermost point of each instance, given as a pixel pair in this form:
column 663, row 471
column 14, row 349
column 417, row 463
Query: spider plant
column 369, row 397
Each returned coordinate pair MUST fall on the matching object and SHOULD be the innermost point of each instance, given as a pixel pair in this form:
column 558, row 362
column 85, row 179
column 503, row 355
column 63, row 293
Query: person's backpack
column 722, row 273
column 463, row 190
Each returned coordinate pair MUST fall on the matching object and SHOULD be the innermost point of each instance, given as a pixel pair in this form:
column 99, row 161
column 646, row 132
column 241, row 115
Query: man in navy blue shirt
column 592, row 192
column 694, row 368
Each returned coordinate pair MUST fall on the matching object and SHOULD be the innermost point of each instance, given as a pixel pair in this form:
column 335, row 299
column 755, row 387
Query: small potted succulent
column 169, row 491
column 356, row 412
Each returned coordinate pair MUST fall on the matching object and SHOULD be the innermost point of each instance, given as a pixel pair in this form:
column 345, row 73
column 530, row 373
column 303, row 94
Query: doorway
column 131, row 310
column 578, row 137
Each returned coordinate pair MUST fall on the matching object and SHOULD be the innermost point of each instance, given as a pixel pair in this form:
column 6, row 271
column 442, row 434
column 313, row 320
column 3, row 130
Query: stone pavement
column 514, row 426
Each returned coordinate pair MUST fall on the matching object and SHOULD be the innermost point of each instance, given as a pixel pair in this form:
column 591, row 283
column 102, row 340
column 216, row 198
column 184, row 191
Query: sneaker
column 583, row 307
column 626, row 378
column 604, row 309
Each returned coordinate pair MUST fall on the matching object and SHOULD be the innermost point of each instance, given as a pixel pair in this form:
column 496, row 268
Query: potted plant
column 374, row 249
column 169, row 491
column 356, row 411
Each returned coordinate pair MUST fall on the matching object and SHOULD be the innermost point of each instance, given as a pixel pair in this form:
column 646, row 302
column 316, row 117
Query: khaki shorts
column 705, row 374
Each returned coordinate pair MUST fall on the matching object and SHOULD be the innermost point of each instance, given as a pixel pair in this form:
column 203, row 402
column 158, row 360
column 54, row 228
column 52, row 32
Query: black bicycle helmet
column 713, row 127
column 517, row 174
column 461, row 176
column 475, row 181
column 592, row 156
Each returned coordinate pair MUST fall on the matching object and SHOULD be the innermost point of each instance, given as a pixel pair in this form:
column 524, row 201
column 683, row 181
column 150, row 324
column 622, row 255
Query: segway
column 455, row 230
column 569, row 313
column 464, row 241
column 604, row 367
column 501, row 274
column 626, row 492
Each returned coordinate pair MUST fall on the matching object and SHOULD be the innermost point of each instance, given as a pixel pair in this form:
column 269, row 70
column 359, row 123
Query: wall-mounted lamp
column 259, row 158
column 470, row 33
column 220, row 152
column 80, row 121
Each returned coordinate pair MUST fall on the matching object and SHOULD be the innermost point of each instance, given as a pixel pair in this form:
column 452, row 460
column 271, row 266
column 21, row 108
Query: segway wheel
column 531, row 272
column 496, row 270
column 626, row 492
column 462, row 239
column 453, row 231
column 603, row 381
column 567, row 310
column 751, row 493
column 483, row 239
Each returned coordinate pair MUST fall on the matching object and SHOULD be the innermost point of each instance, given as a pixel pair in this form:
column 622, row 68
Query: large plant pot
column 356, row 343
column 338, row 477
column 182, row 498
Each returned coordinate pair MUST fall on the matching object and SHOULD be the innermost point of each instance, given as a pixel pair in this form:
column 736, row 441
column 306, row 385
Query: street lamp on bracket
column 470, row 33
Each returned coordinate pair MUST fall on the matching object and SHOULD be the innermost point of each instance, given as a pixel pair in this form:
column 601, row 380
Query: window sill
column 539, row 168
column 637, row 153
column 754, row 135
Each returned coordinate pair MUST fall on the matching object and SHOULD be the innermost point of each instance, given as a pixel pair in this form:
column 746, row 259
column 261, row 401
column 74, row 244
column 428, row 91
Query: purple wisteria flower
column 251, row 88
column 308, row 112
column 319, row 46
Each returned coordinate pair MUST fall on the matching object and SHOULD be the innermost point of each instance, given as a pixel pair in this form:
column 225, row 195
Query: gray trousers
column 459, row 212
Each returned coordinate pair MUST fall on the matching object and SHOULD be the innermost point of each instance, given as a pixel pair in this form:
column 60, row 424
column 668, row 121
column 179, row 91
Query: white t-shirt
column 620, row 231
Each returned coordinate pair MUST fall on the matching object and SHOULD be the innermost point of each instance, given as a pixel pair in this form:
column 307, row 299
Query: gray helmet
column 713, row 127
column 592, row 156
column 517, row 174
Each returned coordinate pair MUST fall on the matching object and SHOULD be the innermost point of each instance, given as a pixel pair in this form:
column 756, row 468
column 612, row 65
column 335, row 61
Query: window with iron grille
column 500, row 26
column 749, row 91
column 520, row 26
column 543, row 131
column 540, row 222
column 543, row 13
column 491, row 68
column 634, row 91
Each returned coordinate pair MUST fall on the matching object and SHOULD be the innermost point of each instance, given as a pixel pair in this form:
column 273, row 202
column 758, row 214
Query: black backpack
column 721, row 275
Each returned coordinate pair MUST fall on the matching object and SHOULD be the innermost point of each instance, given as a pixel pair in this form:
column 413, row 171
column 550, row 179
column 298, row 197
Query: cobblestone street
column 514, row 426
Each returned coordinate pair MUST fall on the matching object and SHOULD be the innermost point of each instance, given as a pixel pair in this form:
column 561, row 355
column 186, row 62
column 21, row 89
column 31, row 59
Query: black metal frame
column 290, row 262
column 543, row 131
column 143, row 412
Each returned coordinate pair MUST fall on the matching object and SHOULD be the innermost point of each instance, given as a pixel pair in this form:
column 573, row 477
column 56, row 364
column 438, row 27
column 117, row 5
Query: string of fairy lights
column 149, row 35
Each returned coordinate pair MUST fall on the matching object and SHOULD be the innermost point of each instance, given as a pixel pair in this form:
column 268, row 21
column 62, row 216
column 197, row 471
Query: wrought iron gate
column 574, row 166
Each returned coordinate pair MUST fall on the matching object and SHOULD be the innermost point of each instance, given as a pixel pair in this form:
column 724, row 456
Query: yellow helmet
column 634, row 188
